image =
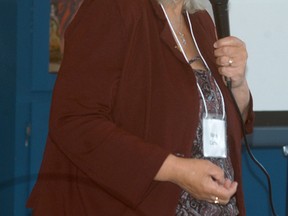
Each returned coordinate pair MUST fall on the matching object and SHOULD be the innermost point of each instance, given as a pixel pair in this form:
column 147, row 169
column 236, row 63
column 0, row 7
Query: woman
column 140, row 85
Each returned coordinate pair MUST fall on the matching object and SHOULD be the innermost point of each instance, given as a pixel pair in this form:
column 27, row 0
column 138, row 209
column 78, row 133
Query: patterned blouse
column 187, row 205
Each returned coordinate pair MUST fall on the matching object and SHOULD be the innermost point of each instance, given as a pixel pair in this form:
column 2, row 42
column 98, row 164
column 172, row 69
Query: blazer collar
column 167, row 37
column 166, row 34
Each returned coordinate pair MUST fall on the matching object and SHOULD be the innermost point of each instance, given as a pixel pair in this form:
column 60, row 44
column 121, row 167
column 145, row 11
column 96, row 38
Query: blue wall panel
column 7, row 103
column 255, row 183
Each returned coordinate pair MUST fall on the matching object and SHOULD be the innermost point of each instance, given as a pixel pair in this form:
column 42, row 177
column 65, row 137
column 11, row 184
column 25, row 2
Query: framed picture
column 61, row 13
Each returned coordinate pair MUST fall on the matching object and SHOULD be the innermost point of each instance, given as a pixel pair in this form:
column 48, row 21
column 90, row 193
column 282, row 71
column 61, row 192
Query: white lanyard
column 184, row 54
column 204, row 101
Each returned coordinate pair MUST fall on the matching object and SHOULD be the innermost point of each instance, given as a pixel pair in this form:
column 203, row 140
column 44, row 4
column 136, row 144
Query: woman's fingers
column 231, row 58
column 228, row 41
column 224, row 192
column 205, row 181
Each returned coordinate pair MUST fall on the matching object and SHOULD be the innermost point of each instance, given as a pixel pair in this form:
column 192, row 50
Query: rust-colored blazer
column 124, row 99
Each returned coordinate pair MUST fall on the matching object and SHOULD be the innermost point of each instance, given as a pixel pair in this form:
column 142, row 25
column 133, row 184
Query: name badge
column 214, row 138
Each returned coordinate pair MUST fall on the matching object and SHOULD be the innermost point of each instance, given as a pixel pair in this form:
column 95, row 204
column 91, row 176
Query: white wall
column 263, row 26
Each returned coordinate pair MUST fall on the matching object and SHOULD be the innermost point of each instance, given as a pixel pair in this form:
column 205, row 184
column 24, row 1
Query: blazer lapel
column 167, row 37
column 166, row 34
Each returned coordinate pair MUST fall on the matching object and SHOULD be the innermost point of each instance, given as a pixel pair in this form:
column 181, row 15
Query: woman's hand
column 201, row 178
column 231, row 58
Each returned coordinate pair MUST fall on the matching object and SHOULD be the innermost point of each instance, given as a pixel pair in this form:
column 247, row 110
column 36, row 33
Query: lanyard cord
column 184, row 54
column 205, row 105
column 174, row 33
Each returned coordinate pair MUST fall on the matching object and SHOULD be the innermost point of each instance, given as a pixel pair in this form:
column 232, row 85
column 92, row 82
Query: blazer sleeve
column 81, row 120
column 250, row 120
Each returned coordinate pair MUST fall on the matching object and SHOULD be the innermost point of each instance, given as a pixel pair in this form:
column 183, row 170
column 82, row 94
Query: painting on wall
column 61, row 13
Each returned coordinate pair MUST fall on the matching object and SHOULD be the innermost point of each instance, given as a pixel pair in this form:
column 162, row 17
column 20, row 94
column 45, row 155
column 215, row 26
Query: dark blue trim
column 269, row 137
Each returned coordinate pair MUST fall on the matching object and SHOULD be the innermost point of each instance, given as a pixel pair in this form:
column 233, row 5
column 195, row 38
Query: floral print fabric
column 188, row 205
